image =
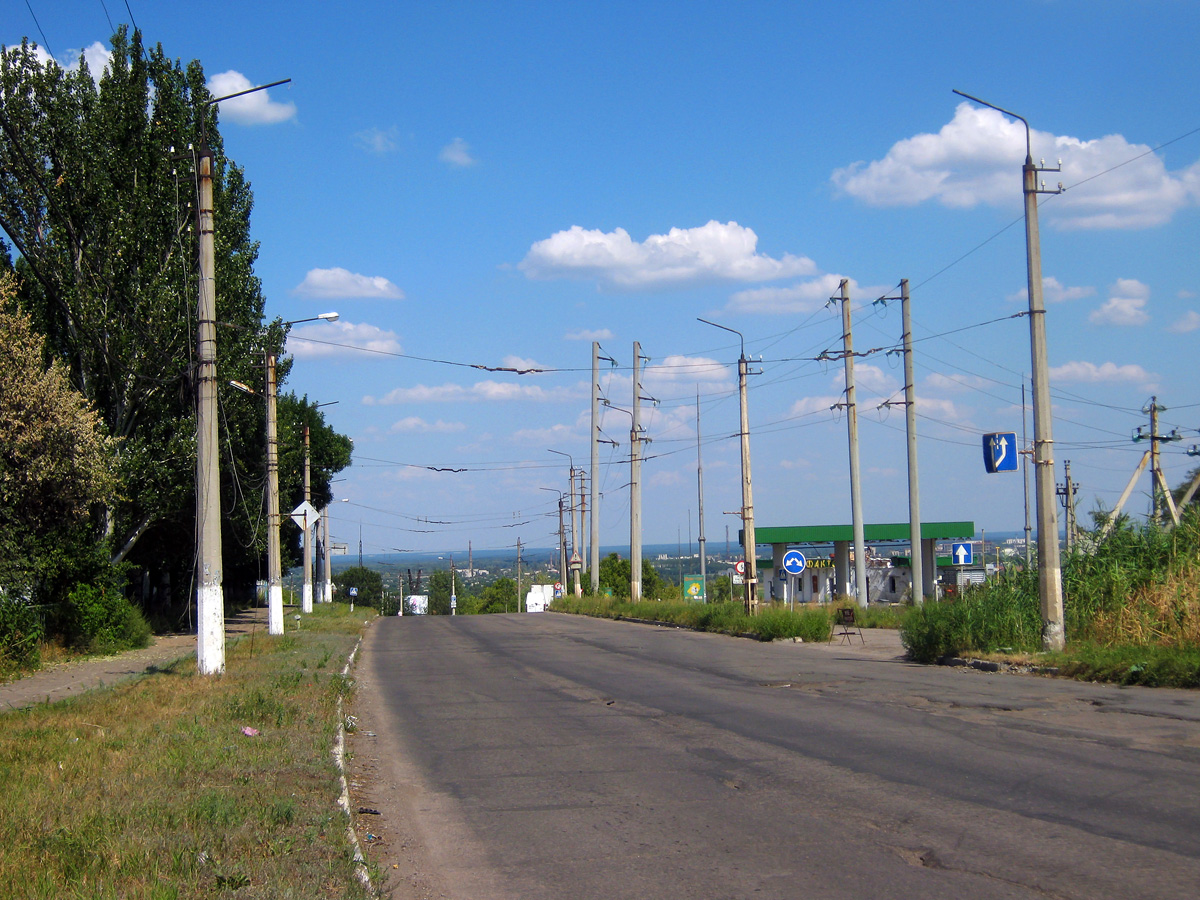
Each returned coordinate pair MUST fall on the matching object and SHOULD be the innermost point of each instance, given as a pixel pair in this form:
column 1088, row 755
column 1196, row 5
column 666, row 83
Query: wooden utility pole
column 210, row 595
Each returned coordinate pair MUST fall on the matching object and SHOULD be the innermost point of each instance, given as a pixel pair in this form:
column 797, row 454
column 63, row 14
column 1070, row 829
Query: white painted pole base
column 306, row 599
column 275, row 609
column 210, row 629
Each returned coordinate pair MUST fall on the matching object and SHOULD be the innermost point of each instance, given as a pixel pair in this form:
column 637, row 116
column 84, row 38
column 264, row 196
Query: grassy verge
column 1131, row 602
column 1149, row 665
column 808, row 622
column 153, row 788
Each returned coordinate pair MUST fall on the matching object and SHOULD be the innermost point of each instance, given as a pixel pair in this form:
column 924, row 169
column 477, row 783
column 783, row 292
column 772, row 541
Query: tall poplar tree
column 98, row 205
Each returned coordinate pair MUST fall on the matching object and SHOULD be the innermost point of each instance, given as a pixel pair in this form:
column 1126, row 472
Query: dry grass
column 152, row 790
column 1167, row 614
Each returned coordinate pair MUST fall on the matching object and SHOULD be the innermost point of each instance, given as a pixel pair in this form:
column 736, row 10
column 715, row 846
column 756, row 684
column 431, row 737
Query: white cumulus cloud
column 417, row 425
column 1053, row 291
column 250, row 109
column 457, row 153
column 340, row 338
column 96, row 55
column 341, row 284
column 1125, row 306
column 489, row 391
column 1188, row 322
column 377, row 140
column 712, row 252
column 802, row 297
column 584, row 334
column 1090, row 373
column 975, row 159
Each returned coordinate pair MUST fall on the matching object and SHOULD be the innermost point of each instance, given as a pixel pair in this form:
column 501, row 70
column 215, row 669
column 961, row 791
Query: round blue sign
column 794, row 562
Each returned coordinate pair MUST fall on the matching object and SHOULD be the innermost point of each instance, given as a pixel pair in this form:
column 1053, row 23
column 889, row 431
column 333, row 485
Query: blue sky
column 498, row 184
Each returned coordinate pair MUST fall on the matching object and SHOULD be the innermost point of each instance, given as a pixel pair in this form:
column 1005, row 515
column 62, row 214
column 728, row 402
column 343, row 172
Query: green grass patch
column 809, row 622
column 152, row 789
column 1150, row 665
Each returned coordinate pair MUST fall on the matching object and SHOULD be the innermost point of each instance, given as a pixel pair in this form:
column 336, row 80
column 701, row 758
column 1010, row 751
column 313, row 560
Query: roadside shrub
column 21, row 633
column 100, row 620
column 1001, row 615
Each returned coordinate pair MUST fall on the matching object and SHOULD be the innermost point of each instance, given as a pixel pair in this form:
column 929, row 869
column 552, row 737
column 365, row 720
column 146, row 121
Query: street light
column 748, row 542
column 274, row 561
column 1049, row 565
column 562, row 537
column 576, row 562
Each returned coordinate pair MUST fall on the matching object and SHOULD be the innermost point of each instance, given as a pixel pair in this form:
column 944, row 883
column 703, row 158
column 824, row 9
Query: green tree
column 616, row 571
column 719, row 589
column 56, row 466
column 368, row 582
column 97, row 180
column 498, row 597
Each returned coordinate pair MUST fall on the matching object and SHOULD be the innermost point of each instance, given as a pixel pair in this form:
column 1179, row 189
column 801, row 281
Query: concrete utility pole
column 860, row 550
column 635, row 482
column 749, row 544
column 306, row 595
column 518, row 574
column 577, row 532
column 1049, row 557
column 700, row 500
column 910, row 428
column 1160, row 491
column 1066, row 492
column 562, row 543
column 210, row 595
column 274, row 564
column 594, row 555
column 1025, row 454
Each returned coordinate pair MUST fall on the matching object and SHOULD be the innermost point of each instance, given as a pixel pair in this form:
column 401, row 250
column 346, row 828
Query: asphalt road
column 552, row 756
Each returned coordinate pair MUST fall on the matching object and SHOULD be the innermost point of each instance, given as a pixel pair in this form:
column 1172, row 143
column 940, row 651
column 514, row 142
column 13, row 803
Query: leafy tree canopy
column 368, row 582
column 98, row 209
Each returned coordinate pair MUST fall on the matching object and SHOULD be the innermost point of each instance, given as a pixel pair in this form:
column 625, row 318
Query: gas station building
column 828, row 575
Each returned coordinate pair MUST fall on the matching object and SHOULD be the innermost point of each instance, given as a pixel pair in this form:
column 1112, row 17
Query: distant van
column 415, row 605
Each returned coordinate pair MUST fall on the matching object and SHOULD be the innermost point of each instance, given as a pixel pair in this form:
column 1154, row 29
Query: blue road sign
column 794, row 562
column 963, row 553
column 1000, row 452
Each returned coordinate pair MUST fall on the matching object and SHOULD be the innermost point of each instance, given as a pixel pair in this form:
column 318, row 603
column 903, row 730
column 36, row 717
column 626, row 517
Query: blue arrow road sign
column 1000, row 452
column 794, row 562
column 963, row 554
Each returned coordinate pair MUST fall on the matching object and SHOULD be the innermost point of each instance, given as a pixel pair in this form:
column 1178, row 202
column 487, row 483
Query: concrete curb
column 339, row 758
column 986, row 665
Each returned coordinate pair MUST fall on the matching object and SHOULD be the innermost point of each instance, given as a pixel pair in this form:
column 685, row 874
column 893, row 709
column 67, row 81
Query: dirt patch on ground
column 67, row 679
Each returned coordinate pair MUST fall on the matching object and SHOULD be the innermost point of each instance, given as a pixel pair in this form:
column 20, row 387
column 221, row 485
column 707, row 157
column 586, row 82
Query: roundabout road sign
column 794, row 562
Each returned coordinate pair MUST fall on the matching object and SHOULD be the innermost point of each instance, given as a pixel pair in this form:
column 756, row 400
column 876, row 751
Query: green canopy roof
column 828, row 534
